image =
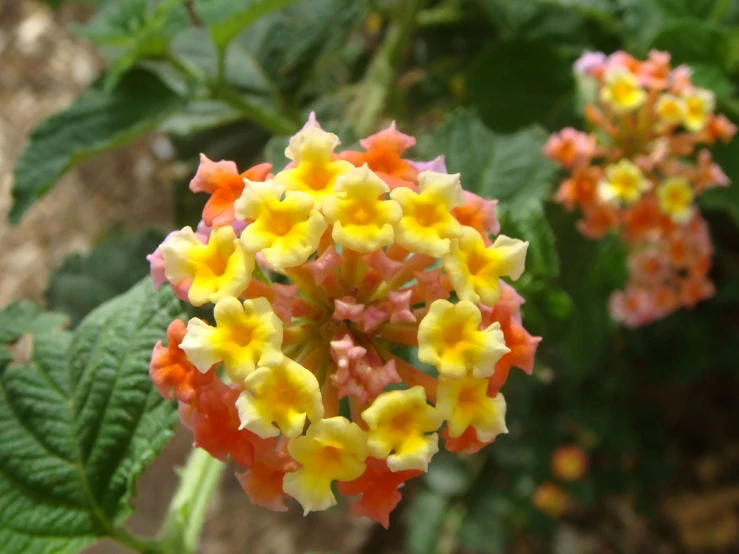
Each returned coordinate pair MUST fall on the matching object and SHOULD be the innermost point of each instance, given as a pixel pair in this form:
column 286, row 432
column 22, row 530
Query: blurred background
column 622, row 441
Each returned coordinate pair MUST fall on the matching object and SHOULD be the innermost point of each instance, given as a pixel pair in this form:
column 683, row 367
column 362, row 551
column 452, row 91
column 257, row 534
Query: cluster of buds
column 639, row 173
column 569, row 463
column 329, row 279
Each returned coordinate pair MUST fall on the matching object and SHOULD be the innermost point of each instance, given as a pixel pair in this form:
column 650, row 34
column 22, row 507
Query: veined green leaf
column 97, row 121
column 79, row 419
column 510, row 168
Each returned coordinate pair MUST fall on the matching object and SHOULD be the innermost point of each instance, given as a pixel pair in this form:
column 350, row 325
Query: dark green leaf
column 97, row 121
column 725, row 198
column 226, row 19
column 517, row 83
column 82, row 283
column 290, row 43
column 79, row 421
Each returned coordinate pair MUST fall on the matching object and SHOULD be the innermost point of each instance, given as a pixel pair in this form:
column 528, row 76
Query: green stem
column 380, row 75
column 186, row 515
column 275, row 123
column 123, row 537
column 221, row 66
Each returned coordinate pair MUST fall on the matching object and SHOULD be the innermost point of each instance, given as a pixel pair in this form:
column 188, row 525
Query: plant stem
column 186, row 515
column 125, row 538
column 275, row 123
column 380, row 75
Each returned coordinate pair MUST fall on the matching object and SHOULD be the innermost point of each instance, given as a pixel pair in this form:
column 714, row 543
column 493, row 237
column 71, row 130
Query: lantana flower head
column 318, row 281
column 639, row 172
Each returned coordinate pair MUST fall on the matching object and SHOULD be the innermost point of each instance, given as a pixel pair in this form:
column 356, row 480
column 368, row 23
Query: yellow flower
column 624, row 183
column 621, row 90
column 465, row 402
column 700, row 104
column 427, row 224
column 362, row 221
column 284, row 394
column 285, row 230
column 474, row 269
column 676, row 198
column 217, row 270
column 314, row 171
column 243, row 337
column 333, row 449
column 449, row 338
column 398, row 422
column 671, row 109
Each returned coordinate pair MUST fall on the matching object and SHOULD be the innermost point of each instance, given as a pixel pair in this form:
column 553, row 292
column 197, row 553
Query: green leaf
column 79, row 421
column 292, row 42
column 542, row 259
column 194, row 48
column 117, row 263
column 510, row 168
column 689, row 40
column 20, row 318
column 199, row 115
column 517, row 83
column 132, row 30
column 510, row 16
column 97, row 121
column 226, row 19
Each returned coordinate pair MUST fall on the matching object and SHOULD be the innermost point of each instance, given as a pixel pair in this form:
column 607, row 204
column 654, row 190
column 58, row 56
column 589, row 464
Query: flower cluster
column 639, row 173
column 327, row 279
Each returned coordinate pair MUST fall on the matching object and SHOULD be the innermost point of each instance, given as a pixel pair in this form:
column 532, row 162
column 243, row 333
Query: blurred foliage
column 483, row 82
column 118, row 262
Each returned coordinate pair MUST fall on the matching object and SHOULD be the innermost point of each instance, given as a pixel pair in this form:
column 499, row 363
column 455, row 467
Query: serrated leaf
column 225, row 18
column 81, row 283
column 97, row 121
column 78, row 422
column 510, row 168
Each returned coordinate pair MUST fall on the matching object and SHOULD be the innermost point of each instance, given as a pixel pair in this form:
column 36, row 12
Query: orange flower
column 215, row 424
column 378, row 487
column 263, row 481
column 382, row 155
column 224, row 184
column 172, row 371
